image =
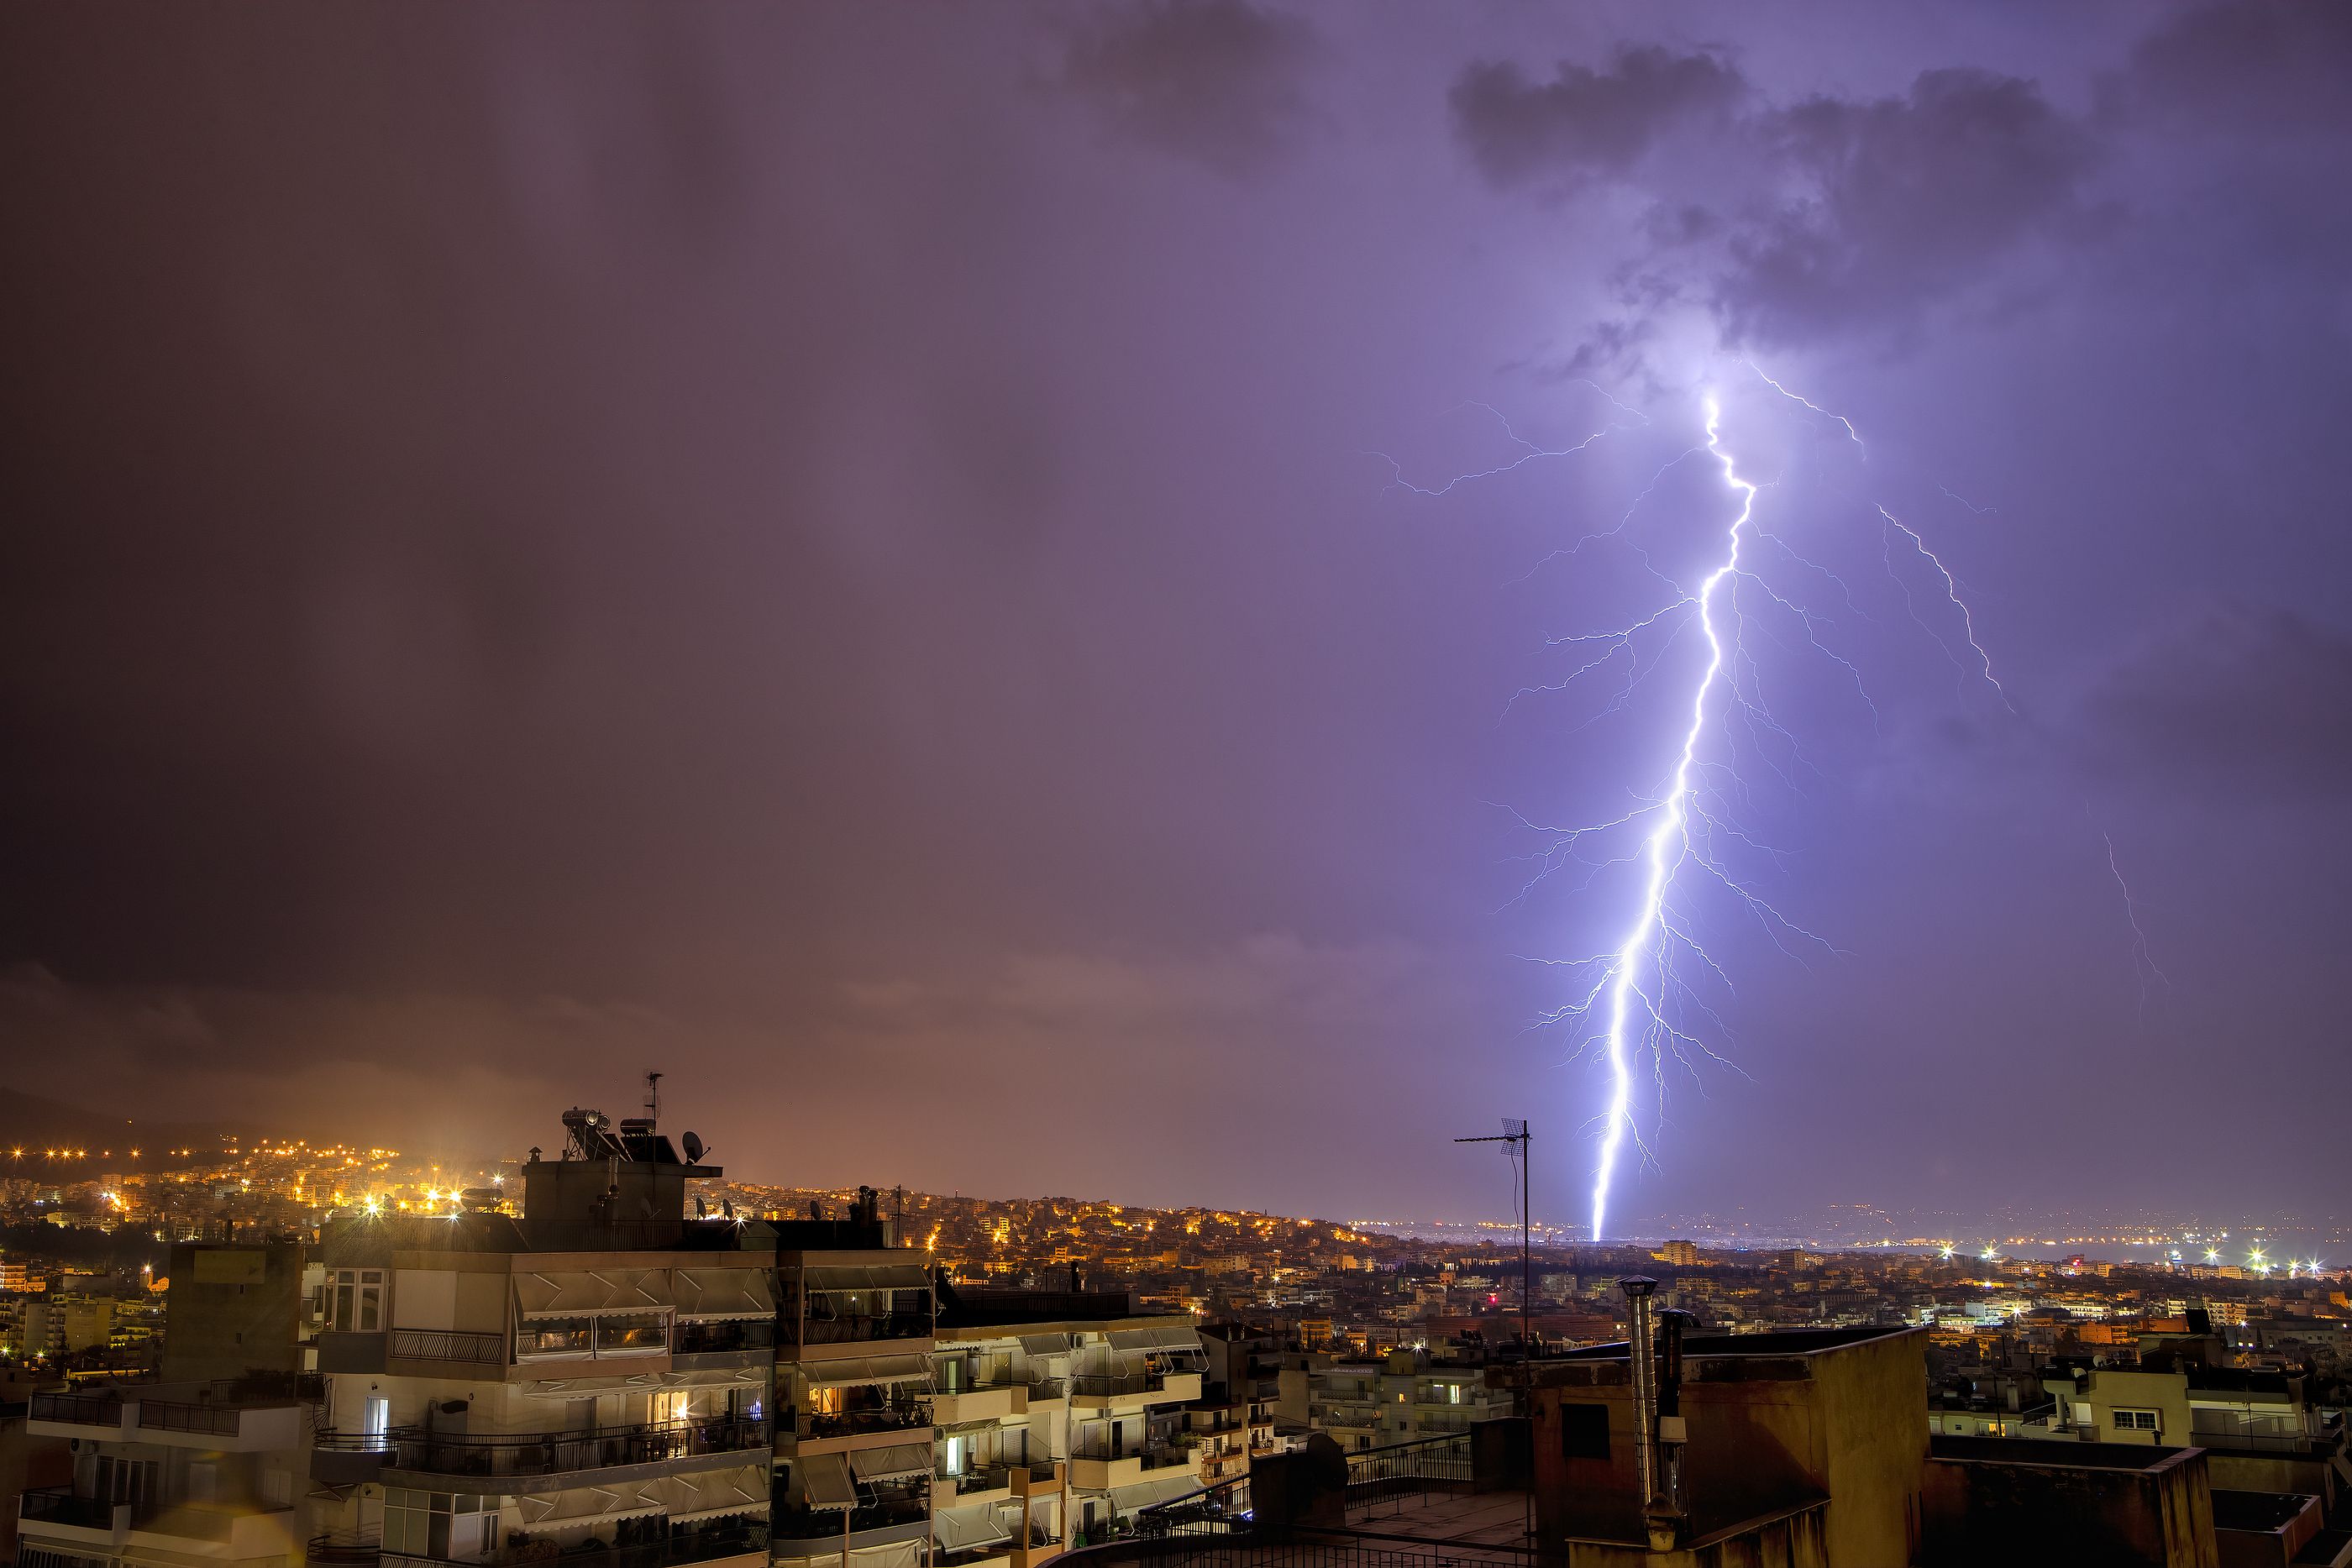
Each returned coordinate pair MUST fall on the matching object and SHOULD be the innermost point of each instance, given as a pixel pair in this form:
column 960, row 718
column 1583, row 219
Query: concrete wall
column 2088, row 1505
column 232, row 1307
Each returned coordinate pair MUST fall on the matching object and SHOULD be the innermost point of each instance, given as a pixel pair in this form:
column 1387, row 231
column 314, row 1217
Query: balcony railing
column 807, row 1525
column 450, row 1344
column 1048, row 1388
column 1118, row 1383
column 59, row 1505
column 850, row 1423
column 341, row 1442
column 77, row 1409
column 551, row 1453
column 1423, row 1464
column 985, row 1477
column 346, row 1549
column 210, row 1420
column 692, row 1338
column 851, row 1330
column 708, row 1544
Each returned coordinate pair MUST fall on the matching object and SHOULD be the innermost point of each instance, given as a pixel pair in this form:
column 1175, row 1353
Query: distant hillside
column 37, row 1126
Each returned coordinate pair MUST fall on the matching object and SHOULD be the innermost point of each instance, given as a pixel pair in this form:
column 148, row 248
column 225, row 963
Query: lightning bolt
column 1665, row 851
column 1636, row 1001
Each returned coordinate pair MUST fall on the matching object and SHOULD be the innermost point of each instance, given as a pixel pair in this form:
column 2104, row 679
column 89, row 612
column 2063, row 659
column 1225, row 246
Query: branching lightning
column 1636, row 1003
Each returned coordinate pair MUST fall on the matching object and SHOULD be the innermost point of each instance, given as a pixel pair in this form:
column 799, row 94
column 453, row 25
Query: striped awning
column 896, row 1463
column 866, row 1277
column 1038, row 1344
column 1165, row 1336
column 854, row 1369
column 584, row 1505
column 710, row 1293
column 707, row 1494
column 962, row 1531
column 825, row 1478
column 1143, row 1494
column 574, row 1294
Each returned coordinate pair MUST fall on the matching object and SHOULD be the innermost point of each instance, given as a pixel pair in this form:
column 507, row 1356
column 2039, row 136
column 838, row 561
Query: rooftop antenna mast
column 652, row 1098
column 1513, row 1139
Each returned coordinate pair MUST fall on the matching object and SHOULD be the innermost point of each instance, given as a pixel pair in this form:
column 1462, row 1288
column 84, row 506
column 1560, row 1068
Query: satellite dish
column 701, row 1209
column 693, row 1142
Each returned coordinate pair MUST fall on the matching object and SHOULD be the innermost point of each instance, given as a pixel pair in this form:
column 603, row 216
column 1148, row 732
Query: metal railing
column 740, row 1537
column 1048, row 1387
column 341, row 1442
column 1421, row 1465
column 809, row 1524
column 450, row 1344
column 849, row 1423
column 693, row 1338
column 79, row 1409
column 59, row 1505
column 1220, row 1509
column 1118, row 1383
column 550, row 1453
column 346, row 1549
column 851, row 1330
column 170, row 1416
column 986, row 1477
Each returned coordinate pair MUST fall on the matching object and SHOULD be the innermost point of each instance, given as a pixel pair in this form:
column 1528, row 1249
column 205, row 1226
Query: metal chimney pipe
column 1643, row 1345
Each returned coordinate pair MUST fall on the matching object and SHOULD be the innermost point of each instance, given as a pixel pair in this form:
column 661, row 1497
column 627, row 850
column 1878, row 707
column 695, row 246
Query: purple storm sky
column 850, row 552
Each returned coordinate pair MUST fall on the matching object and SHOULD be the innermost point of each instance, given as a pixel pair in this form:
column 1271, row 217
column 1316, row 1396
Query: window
column 2136, row 1421
column 375, row 1419
column 355, row 1300
column 1584, row 1431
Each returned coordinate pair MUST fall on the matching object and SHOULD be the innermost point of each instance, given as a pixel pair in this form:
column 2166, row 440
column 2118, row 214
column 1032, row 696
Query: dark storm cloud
column 2242, row 703
column 1838, row 214
column 1900, row 202
column 1585, row 123
column 2260, row 67
column 1218, row 82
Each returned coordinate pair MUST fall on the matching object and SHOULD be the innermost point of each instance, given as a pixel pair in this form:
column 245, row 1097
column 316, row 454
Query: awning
column 707, row 1494
column 726, row 1294
column 1039, row 1344
column 896, row 1463
column 1166, row 1336
column 574, row 1294
column 1143, row 1494
column 853, row 1369
column 581, row 1505
column 646, row 1381
column 963, row 1532
column 989, row 1424
column 866, row 1277
column 825, row 1478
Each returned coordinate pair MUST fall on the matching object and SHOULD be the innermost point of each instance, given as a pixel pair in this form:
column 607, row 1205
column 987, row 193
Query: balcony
column 725, row 1337
column 464, row 1346
column 211, row 1530
column 973, row 1485
column 857, row 1329
column 56, row 1513
column 1040, row 1478
column 973, row 1405
column 715, row 1542
column 1099, row 1471
column 818, row 1532
column 90, row 1415
column 556, row 1453
column 818, row 1424
column 233, row 1423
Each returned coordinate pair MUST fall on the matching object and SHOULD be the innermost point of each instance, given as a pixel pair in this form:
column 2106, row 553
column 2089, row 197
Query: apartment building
column 589, row 1380
column 855, row 1327
column 1405, row 1395
column 193, row 1469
